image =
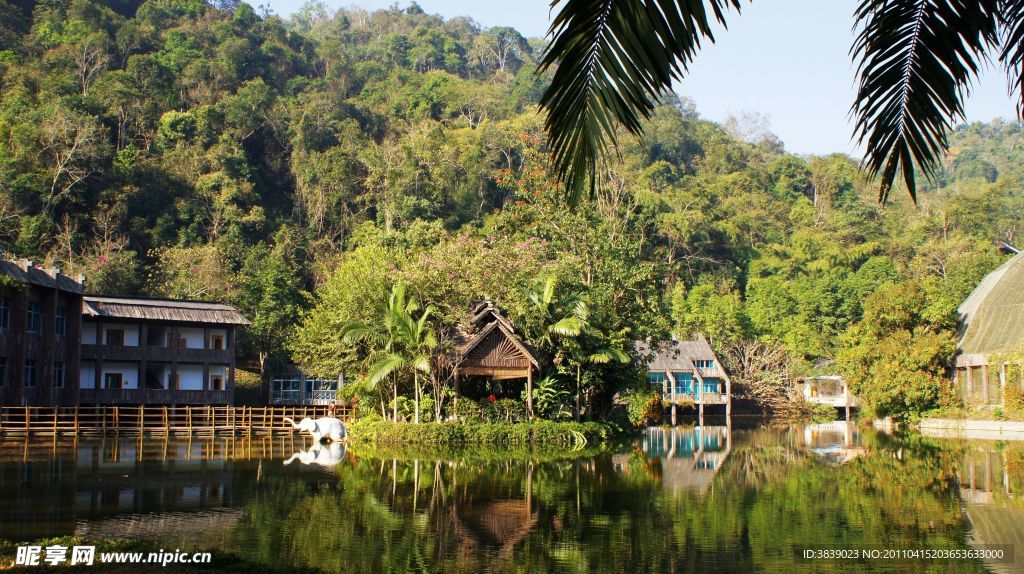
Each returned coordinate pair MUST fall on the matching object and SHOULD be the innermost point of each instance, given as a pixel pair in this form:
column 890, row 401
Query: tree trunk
column 416, row 381
column 394, row 406
column 579, row 379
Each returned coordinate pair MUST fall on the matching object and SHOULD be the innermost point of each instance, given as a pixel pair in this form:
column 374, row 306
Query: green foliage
column 896, row 358
column 541, row 432
column 299, row 169
column 642, row 406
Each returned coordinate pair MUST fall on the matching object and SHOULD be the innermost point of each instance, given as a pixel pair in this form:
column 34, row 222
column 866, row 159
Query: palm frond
column 1011, row 18
column 916, row 61
column 421, row 363
column 608, row 355
column 381, row 369
column 614, row 59
column 357, row 332
column 548, row 289
column 567, row 327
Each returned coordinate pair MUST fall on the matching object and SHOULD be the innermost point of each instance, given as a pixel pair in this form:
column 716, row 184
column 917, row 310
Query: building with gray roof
column 992, row 327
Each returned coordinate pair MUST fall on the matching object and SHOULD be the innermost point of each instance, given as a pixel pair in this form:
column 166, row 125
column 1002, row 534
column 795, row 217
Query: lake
column 717, row 498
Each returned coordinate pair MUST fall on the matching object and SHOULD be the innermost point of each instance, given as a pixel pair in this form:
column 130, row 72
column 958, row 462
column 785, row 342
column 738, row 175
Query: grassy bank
column 539, row 432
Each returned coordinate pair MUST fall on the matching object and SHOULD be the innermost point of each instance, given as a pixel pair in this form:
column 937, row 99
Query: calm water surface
column 682, row 499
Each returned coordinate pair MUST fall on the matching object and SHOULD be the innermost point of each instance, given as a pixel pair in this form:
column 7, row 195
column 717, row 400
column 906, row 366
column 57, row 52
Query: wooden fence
column 156, row 420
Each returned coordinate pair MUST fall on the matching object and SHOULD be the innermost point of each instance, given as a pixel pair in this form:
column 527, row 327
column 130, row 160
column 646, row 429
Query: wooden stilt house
column 687, row 372
column 490, row 347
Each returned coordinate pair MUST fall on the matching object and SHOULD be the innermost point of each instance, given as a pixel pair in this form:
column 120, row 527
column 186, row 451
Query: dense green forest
column 300, row 168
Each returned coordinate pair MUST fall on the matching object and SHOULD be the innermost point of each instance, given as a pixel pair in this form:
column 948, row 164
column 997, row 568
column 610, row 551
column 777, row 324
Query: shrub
column 376, row 430
column 1014, row 398
column 642, row 405
column 468, row 411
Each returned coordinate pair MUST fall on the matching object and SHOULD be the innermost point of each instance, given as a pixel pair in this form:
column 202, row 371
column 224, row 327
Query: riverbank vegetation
column 302, row 169
column 564, row 433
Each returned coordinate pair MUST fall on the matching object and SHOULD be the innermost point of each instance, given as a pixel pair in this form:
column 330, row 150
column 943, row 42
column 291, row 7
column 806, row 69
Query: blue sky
column 786, row 59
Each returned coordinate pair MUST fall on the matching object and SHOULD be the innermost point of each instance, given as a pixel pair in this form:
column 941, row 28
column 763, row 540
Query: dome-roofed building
column 993, row 326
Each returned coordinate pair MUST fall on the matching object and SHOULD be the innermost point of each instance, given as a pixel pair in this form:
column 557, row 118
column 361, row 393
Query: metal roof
column 679, row 356
column 162, row 310
column 993, row 315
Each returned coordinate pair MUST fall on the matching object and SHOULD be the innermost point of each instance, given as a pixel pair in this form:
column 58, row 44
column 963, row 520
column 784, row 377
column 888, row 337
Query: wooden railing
column 156, row 419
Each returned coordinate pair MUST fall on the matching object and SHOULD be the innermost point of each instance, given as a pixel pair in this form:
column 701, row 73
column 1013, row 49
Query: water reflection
column 685, row 499
column 682, row 457
column 320, row 454
column 836, row 442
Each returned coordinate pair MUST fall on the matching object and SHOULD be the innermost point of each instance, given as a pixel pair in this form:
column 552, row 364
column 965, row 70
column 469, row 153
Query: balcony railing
column 294, row 397
column 707, row 397
column 831, row 400
column 153, row 396
column 184, row 355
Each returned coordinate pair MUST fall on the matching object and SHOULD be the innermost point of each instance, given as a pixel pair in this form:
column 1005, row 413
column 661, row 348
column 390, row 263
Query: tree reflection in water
column 685, row 499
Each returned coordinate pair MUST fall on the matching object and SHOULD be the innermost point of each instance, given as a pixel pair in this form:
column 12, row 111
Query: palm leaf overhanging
column 615, row 58
column 1011, row 16
column 917, row 59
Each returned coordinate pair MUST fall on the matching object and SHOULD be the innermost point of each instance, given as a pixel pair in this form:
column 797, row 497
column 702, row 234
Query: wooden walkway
column 155, row 420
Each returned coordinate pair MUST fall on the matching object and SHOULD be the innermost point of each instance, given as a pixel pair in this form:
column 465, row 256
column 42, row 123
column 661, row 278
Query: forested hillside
column 298, row 168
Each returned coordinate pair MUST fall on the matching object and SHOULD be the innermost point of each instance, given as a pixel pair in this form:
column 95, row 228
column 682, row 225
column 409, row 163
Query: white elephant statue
column 328, row 428
column 320, row 454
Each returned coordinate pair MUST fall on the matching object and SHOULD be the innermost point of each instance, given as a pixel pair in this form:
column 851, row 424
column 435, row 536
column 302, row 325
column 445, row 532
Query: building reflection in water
column 119, row 486
column 688, row 457
column 836, row 442
column 991, row 478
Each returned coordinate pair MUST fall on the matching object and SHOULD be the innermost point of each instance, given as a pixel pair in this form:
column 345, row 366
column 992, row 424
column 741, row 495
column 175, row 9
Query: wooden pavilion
column 491, row 348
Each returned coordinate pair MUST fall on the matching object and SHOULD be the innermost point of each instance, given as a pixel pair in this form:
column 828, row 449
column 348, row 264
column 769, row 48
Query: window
column 684, row 382
column 5, row 312
column 113, row 380
column 321, row 389
column 3, row 371
column 217, row 382
column 30, row 372
column 115, row 337
column 656, row 378
column 704, row 364
column 61, row 324
column 217, row 342
column 176, row 341
column 58, row 374
column 286, row 389
column 35, row 319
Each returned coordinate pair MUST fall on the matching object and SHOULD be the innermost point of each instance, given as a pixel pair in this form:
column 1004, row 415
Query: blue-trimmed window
column 704, row 363
column 656, row 378
column 712, row 386
column 684, row 382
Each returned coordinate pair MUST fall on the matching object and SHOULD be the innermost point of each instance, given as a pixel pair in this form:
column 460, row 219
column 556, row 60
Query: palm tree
column 418, row 340
column 400, row 342
column 916, row 59
column 545, row 323
column 600, row 356
column 550, row 320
